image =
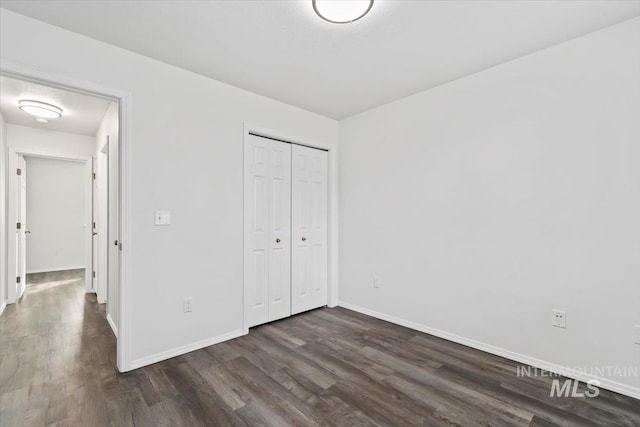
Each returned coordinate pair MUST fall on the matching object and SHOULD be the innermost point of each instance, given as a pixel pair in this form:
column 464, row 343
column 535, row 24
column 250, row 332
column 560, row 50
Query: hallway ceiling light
column 342, row 11
column 40, row 109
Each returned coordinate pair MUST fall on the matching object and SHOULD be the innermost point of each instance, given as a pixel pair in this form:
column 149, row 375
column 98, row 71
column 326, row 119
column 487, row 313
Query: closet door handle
column 304, row 239
column 278, row 240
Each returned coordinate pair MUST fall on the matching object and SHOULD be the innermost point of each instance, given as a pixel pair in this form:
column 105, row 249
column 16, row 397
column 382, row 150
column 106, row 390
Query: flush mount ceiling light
column 40, row 109
column 342, row 11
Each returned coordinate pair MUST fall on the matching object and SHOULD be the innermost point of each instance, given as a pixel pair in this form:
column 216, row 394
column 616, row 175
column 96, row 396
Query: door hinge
column 18, row 279
column 94, row 274
column 94, row 225
column 94, row 176
column 18, row 226
column 18, row 171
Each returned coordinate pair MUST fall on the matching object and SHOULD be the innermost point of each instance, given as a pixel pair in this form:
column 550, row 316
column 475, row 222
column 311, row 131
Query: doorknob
column 304, row 239
column 95, row 234
column 27, row 232
column 278, row 240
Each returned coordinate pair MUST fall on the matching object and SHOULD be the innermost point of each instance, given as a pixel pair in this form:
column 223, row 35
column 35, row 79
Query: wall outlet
column 186, row 305
column 377, row 282
column 559, row 319
column 637, row 328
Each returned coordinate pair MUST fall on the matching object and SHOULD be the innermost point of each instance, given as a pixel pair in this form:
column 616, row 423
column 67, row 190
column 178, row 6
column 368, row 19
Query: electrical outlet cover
column 559, row 319
column 186, row 305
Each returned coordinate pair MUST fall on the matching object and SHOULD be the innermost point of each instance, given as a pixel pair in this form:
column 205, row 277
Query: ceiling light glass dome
column 342, row 11
column 40, row 109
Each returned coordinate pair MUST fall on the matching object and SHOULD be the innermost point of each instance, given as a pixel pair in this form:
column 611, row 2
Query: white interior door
column 309, row 229
column 94, row 227
column 102, row 186
column 267, row 229
column 113, row 228
column 21, row 227
column 279, row 230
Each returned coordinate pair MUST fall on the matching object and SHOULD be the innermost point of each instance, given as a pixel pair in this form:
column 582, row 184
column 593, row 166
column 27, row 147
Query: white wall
column 30, row 139
column 187, row 133
column 56, row 202
column 3, row 216
column 487, row 202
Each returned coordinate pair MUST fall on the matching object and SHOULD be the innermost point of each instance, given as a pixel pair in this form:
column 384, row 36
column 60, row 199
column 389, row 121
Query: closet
column 285, row 229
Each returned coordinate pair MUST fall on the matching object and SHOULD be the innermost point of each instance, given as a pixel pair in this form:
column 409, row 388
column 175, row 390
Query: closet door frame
column 332, row 209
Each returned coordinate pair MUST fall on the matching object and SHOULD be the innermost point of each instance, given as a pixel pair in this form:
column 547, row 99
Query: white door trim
column 332, row 217
column 51, row 78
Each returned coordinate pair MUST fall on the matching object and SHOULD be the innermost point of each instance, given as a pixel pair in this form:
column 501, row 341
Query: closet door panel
column 309, row 229
column 256, row 230
column 279, row 230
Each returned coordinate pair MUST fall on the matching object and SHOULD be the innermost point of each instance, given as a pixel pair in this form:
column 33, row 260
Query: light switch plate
column 377, row 282
column 163, row 218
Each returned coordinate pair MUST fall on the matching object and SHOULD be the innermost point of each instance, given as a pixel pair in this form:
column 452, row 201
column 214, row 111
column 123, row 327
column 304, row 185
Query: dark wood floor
column 325, row 367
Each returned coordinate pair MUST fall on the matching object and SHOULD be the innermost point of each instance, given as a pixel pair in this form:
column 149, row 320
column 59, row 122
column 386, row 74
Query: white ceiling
column 280, row 49
column 82, row 114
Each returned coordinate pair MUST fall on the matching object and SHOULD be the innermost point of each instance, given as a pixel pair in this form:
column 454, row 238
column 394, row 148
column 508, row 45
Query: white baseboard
column 158, row 357
column 111, row 323
column 607, row 384
column 51, row 270
column 2, row 307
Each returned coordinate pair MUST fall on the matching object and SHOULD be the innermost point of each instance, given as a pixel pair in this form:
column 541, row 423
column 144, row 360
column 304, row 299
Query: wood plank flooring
column 325, row 367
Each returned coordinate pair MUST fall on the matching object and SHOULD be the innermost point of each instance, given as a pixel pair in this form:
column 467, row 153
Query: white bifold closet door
column 267, row 229
column 309, row 229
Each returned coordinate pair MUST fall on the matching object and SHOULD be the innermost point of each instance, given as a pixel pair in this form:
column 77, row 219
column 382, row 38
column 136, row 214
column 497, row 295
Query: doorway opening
column 50, row 204
column 53, row 214
column 62, row 178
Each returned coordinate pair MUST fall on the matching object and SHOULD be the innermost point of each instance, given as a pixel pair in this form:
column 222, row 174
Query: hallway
column 57, row 354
